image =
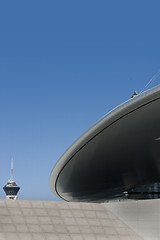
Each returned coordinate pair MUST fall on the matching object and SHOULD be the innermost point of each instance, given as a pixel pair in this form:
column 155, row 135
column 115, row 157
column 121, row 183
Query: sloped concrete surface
column 143, row 216
column 44, row 220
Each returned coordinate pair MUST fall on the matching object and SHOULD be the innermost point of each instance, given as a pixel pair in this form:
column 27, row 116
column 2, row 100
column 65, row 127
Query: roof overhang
column 119, row 153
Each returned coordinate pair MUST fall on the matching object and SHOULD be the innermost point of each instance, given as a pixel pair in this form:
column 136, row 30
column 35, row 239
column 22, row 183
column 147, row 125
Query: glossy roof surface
column 119, row 153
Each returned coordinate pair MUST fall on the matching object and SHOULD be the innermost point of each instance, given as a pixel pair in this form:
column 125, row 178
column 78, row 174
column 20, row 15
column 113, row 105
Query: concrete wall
column 141, row 216
column 42, row 220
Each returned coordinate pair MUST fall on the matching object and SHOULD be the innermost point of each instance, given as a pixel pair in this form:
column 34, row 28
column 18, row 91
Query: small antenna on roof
column 11, row 169
column 155, row 76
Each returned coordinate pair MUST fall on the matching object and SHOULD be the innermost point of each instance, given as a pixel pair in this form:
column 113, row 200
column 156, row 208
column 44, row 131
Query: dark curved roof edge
column 117, row 113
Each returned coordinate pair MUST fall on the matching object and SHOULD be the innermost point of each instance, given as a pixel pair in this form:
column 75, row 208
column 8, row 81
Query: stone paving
column 44, row 220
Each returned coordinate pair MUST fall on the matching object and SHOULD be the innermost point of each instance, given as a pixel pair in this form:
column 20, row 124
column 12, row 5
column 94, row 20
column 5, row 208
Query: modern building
column 115, row 164
column 118, row 158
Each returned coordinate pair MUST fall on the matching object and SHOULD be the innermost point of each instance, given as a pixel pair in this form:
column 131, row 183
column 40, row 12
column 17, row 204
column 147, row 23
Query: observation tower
column 11, row 189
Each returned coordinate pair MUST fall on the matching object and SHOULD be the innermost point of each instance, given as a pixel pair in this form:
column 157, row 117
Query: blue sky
column 63, row 65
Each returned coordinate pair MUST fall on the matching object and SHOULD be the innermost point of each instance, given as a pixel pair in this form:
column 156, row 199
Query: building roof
column 118, row 154
column 11, row 184
column 28, row 219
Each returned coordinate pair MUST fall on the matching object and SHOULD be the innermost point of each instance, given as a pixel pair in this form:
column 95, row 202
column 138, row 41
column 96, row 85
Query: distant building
column 11, row 189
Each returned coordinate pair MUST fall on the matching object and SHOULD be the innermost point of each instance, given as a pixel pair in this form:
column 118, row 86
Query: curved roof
column 119, row 153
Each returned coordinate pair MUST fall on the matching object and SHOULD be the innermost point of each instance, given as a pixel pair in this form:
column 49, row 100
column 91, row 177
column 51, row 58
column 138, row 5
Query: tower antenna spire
column 11, row 189
column 11, row 169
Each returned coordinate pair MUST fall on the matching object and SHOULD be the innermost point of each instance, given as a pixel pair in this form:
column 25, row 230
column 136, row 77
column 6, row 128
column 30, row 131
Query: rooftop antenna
column 11, row 169
column 155, row 76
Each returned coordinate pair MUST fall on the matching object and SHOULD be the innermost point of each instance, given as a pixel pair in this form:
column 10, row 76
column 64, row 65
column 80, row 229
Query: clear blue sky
column 63, row 65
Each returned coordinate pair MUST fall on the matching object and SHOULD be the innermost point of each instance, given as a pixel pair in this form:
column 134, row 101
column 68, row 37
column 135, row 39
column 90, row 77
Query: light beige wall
column 42, row 220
